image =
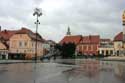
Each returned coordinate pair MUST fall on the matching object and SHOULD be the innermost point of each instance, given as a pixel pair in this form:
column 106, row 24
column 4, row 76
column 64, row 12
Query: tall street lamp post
column 37, row 13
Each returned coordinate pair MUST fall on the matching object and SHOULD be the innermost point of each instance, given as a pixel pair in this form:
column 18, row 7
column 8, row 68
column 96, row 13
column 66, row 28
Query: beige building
column 119, row 40
column 3, row 50
column 119, row 44
column 4, row 42
column 23, row 45
column 106, row 47
column 106, row 51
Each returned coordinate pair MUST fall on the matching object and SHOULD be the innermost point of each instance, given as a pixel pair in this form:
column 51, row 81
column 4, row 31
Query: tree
column 68, row 50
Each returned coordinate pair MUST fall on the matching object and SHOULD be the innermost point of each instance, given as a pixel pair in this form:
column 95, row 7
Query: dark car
column 48, row 56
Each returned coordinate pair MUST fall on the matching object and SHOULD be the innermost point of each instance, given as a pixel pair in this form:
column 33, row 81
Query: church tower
column 68, row 31
column 123, row 23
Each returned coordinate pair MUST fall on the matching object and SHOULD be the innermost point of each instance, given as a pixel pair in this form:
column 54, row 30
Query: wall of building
column 118, row 47
column 2, row 46
column 106, row 51
column 3, row 51
column 88, row 49
column 22, row 43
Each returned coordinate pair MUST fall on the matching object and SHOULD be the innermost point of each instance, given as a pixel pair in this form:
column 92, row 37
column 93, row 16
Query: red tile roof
column 6, row 34
column 24, row 31
column 30, row 34
column 91, row 39
column 119, row 37
column 71, row 39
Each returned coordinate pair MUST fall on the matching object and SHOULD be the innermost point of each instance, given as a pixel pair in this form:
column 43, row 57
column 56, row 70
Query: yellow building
column 119, row 44
column 3, row 50
column 119, row 40
column 23, row 45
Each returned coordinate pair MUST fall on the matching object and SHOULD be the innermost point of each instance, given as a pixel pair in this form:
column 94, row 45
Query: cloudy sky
column 85, row 17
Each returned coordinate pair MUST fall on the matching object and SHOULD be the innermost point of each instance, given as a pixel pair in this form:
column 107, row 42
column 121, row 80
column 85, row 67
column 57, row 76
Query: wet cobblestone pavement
column 83, row 71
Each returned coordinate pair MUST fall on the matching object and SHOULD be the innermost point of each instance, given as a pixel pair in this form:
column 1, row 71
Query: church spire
column 68, row 31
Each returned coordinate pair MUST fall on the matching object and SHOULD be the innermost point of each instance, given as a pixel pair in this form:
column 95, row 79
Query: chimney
column 5, row 31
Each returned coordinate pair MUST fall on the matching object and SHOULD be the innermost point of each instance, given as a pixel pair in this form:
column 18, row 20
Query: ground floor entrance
column 16, row 56
column 2, row 56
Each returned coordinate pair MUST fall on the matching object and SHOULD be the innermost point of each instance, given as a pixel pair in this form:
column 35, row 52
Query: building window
column 102, row 52
column 20, row 44
column 107, row 52
column 17, row 51
column 25, row 43
column 94, row 47
column 118, row 53
column 111, row 52
column 24, row 51
column 32, row 44
column 80, row 48
column 119, row 45
column 20, row 35
column 89, row 47
column 84, row 47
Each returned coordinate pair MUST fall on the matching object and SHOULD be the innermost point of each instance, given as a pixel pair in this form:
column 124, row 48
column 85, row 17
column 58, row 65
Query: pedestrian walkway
column 17, row 61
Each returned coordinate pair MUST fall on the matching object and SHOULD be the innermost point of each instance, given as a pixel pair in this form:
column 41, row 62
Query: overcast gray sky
column 85, row 17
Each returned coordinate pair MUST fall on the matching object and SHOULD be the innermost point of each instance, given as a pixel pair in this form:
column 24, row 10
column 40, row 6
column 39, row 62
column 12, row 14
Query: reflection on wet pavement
column 84, row 71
